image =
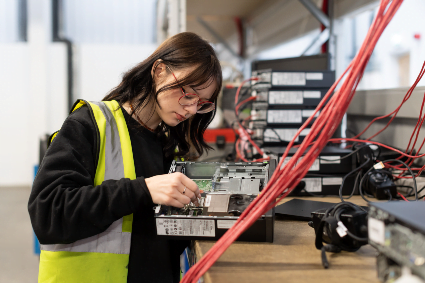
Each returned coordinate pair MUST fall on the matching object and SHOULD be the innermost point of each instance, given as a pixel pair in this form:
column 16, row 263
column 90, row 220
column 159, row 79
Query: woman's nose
column 192, row 109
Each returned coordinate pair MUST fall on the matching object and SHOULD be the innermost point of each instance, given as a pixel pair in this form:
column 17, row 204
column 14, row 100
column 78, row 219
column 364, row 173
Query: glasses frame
column 199, row 102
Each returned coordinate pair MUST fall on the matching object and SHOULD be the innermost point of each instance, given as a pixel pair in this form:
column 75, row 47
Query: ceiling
column 267, row 22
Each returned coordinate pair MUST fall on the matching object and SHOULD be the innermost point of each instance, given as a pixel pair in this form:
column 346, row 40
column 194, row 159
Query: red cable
column 402, row 196
column 284, row 180
column 406, row 97
column 237, row 113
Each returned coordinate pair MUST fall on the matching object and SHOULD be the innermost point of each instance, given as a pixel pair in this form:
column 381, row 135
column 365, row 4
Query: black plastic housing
column 380, row 184
column 354, row 221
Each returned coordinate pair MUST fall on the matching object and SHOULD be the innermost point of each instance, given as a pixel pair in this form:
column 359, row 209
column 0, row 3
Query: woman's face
column 171, row 112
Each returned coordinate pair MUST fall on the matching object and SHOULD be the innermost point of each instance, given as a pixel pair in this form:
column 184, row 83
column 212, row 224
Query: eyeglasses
column 188, row 99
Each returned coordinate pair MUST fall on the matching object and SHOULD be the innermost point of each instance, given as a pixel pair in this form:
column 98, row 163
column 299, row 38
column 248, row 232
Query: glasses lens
column 206, row 107
column 189, row 99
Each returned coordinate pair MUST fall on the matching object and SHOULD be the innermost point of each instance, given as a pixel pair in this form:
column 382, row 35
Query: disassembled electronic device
column 397, row 231
column 228, row 189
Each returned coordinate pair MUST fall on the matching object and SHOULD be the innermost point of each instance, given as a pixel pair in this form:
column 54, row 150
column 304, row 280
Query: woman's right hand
column 174, row 189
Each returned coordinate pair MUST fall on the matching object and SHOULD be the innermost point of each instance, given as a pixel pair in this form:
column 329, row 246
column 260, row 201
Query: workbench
column 292, row 257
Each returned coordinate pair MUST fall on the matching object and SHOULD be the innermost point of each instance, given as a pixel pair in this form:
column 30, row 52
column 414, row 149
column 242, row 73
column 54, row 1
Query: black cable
column 345, row 156
column 349, row 174
column 356, row 182
column 410, row 195
column 389, row 160
column 361, row 184
column 409, row 192
column 335, row 212
column 411, row 173
column 325, row 261
column 338, row 217
column 274, row 130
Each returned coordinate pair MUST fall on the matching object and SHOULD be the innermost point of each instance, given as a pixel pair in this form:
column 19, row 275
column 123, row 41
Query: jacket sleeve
column 64, row 206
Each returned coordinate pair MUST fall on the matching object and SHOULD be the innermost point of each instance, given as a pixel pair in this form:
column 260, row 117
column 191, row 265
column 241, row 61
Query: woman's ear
column 159, row 69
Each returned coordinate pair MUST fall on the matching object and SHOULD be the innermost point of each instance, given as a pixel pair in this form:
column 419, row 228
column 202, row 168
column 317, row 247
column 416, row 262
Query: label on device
column 286, row 97
column 185, row 227
column 332, row 181
column 330, row 159
column 376, row 230
column 288, row 78
column 314, row 76
column 312, row 94
column 313, row 184
column 225, row 224
column 284, row 116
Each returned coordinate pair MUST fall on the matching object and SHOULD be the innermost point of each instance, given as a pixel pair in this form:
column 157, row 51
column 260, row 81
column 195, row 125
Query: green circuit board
column 204, row 185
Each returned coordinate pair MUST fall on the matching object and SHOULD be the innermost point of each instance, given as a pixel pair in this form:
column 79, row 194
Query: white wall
column 397, row 39
column 98, row 68
column 14, row 124
column 19, row 137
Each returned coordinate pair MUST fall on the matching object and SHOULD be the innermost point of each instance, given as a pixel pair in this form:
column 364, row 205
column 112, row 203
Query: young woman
column 91, row 204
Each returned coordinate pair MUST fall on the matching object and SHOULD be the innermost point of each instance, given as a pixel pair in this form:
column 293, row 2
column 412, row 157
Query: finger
column 182, row 198
column 191, row 195
column 188, row 193
column 191, row 185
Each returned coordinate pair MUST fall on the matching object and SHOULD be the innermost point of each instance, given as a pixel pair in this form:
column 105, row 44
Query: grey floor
column 18, row 263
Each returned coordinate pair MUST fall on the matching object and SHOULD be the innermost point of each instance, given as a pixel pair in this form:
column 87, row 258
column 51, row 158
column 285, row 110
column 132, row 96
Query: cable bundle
column 244, row 136
column 285, row 178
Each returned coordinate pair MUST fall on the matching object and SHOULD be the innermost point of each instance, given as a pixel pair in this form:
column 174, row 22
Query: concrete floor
column 18, row 263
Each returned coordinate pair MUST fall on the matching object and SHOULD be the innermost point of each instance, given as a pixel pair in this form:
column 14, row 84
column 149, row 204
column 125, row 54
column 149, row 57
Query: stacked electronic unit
column 284, row 101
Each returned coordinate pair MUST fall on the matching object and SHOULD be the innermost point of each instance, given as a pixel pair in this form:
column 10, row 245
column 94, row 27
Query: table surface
column 292, row 257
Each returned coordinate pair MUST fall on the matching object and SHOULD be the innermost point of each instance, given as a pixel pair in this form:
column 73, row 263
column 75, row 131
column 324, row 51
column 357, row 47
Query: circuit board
column 204, row 185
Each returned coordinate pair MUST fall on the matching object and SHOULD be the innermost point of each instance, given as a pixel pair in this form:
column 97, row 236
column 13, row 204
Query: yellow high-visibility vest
column 103, row 257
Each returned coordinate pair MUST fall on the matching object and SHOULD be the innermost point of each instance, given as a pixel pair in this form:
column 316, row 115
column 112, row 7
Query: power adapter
column 342, row 227
column 380, row 184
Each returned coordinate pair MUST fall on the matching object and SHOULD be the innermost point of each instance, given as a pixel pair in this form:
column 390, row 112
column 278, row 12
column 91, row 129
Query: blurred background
column 53, row 52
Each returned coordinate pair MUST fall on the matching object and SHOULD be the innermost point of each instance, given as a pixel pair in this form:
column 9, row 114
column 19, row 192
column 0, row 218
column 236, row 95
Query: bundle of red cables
column 411, row 146
column 284, row 180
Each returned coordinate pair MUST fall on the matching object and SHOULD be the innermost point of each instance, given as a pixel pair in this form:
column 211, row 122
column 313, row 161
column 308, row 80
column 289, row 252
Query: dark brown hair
column 180, row 51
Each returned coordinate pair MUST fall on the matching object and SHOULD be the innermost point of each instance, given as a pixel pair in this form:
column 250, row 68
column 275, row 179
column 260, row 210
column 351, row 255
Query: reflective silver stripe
column 114, row 164
column 113, row 240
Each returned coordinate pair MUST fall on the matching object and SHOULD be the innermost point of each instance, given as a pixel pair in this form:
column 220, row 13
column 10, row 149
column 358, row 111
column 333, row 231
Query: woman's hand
column 174, row 189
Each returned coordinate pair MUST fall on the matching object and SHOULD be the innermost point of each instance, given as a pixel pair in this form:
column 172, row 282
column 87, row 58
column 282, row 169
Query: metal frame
column 171, row 15
column 57, row 36
column 218, row 37
column 327, row 33
column 316, row 12
column 23, row 20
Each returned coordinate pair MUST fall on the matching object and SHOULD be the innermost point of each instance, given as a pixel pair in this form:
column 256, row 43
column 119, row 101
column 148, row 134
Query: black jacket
column 64, row 205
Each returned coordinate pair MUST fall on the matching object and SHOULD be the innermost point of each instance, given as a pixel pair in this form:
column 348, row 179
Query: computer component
column 228, row 188
column 380, row 184
column 341, row 227
column 285, row 100
column 324, row 185
column 305, row 79
column 270, row 136
column 332, row 160
column 283, row 117
column 314, row 62
column 397, row 230
column 289, row 97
